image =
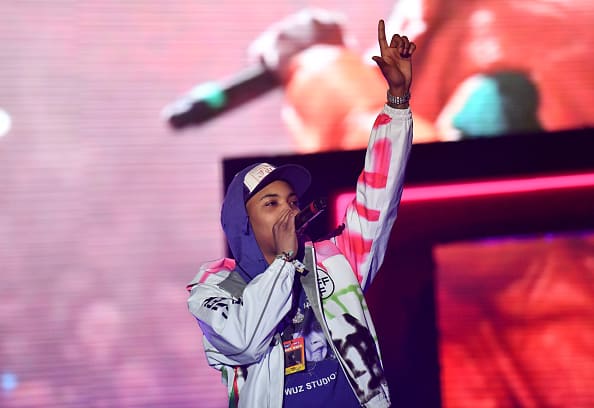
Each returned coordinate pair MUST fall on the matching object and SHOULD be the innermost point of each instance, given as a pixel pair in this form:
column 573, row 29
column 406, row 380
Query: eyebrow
column 275, row 195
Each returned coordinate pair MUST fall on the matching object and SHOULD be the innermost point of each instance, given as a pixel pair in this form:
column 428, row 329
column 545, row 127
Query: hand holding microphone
column 210, row 99
column 270, row 54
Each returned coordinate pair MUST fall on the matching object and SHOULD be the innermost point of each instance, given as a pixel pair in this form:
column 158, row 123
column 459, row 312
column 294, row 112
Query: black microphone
column 211, row 99
column 310, row 212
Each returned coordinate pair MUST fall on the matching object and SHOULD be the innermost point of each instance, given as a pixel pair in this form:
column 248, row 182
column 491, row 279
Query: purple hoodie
column 235, row 221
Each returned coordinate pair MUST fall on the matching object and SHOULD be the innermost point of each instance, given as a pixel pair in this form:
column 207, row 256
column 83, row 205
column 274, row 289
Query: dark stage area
column 480, row 190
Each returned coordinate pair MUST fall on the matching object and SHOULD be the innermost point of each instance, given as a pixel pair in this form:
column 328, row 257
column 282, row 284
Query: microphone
column 211, row 99
column 310, row 212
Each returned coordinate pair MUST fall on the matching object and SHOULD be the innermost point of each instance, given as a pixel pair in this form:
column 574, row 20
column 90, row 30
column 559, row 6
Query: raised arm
column 371, row 215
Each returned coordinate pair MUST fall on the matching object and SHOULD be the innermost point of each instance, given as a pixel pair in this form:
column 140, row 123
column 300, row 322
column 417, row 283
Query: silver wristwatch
column 398, row 100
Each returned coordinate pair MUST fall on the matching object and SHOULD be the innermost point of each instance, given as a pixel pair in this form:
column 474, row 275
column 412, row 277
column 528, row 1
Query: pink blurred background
column 105, row 212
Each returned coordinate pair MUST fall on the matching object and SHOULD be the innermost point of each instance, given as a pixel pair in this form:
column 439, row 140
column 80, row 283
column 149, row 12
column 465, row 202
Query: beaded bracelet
column 286, row 256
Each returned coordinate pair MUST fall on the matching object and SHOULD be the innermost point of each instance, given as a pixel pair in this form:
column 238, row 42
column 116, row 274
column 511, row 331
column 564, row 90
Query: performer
column 257, row 311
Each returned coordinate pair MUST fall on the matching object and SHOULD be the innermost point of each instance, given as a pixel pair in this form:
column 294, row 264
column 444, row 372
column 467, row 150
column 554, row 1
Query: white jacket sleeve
column 241, row 329
column 370, row 217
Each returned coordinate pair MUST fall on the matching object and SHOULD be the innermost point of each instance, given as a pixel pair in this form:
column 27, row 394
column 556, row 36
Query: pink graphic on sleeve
column 355, row 248
column 367, row 213
column 381, row 154
column 221, row 264
column 382, row 119
column 324, row 250
column 224, row 264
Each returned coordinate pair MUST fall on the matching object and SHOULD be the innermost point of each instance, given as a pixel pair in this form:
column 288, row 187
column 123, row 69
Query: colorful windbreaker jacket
column 239, row 303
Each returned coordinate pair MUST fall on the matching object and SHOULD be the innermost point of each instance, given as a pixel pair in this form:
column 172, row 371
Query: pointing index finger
column 381, row 36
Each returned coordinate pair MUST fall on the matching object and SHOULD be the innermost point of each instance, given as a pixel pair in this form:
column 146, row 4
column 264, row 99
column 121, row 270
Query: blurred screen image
column 106, row 210
column 516, row 321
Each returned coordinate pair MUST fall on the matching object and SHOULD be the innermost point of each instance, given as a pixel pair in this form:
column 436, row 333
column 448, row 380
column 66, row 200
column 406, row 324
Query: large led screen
column 107, row 210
